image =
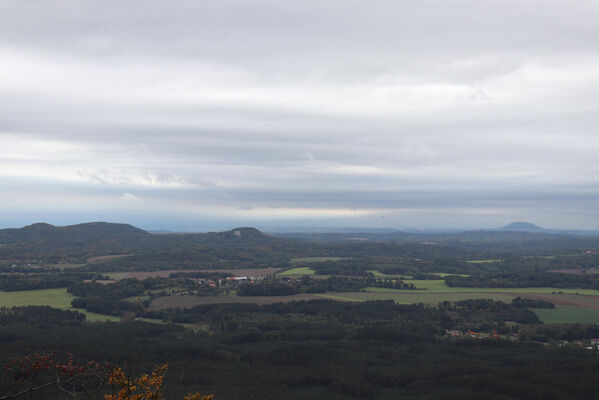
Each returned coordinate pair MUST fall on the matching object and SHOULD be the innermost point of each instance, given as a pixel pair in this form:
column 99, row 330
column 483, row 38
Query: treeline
column 531, row 303
column 487, row 314
column 393, row 265
column 39, row 315
column 425, row 268
column 525, row 279
column 117, row 290
column 287, row 287
column 393, row 284
column 554, row 332
column 43, row 280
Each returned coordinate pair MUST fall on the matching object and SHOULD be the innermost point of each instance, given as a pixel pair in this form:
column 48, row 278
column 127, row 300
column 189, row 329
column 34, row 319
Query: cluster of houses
column 229, row 281
column 457, row 334
column 589, row 344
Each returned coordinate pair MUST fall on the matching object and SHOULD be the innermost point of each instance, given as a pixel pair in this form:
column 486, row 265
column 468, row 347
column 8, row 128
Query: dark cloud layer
column 389, row 113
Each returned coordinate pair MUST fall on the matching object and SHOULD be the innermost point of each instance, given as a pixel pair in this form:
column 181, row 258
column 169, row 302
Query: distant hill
column 102, row 238
column 243, row 233
column 522, row 226
column 43, row 233
column 247, row 247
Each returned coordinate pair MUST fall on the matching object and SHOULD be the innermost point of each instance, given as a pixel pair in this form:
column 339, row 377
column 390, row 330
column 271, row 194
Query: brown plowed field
column 162, row 303
column 232, row 271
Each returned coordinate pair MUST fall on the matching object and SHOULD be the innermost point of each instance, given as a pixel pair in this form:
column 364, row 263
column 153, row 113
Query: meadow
column 568, row 314
column 296, row 272
column 440, row 287
column 58, row 298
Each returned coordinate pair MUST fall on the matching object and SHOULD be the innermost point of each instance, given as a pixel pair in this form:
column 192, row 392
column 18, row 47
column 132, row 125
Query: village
column 455, row 334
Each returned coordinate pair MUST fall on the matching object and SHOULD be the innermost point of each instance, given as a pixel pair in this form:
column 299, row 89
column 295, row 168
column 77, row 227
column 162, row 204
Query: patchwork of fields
column 572, row 305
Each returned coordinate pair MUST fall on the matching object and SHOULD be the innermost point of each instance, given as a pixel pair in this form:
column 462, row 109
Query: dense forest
column 324, row 349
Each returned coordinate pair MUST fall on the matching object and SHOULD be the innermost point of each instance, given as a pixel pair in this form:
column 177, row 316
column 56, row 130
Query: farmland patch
column 57, row 298
column 299, row 271
column 165, row 302
column 568, row 314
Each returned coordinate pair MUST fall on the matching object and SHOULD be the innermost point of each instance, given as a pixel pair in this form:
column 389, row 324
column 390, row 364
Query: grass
column 439, row 286
column 95, row 317
column 482, row 261
column 57, row 298
column 348, row 296
column 568, row 314
column 305, row 260
column 299, row 271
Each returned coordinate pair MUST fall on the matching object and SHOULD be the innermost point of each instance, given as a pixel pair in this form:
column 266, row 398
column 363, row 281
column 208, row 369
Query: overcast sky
column 197, row 115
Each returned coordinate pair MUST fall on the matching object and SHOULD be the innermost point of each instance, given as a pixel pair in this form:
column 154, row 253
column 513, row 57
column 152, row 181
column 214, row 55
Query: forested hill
column 82, row 233
column 102, row 238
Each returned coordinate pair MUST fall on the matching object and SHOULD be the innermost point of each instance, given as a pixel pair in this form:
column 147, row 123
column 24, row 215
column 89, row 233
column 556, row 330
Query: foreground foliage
column 41, row 374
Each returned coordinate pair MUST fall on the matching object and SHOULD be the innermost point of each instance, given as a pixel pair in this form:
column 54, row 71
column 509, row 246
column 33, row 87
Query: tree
column 39, row 373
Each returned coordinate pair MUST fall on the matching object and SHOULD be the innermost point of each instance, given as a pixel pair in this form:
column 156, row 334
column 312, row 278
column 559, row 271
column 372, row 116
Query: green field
column 305, row 260
column 57, row 298
column 439, row 286
column 568, row 314
column 294, row 272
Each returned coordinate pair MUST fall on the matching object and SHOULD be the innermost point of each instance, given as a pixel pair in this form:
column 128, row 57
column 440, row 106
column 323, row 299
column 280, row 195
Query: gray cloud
column 430, row 113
